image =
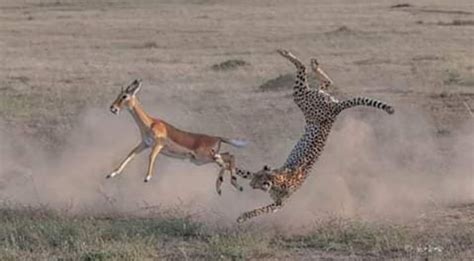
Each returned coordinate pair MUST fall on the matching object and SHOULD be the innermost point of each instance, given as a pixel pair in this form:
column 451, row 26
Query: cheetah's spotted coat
column 320, row 110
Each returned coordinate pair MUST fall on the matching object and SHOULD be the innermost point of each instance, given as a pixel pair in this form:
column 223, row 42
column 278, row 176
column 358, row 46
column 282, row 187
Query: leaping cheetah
column 320, row 110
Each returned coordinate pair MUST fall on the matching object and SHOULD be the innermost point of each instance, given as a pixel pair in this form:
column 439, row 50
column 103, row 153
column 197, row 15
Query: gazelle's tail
column 364, row 101
column 239, row 143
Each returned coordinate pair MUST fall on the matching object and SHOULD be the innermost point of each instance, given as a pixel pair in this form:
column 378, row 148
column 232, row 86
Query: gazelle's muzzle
column 114, row 109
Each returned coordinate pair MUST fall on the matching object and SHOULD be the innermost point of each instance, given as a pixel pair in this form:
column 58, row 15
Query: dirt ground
column 210, row 66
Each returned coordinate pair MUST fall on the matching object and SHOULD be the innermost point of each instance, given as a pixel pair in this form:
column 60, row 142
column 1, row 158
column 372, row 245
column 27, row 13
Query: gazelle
column 162, row 137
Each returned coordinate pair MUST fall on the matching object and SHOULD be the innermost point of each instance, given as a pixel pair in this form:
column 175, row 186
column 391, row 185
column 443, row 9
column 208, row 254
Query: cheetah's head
column 262, row 179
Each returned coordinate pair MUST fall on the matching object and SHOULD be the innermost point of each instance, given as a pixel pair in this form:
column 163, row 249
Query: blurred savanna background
column 386, row 187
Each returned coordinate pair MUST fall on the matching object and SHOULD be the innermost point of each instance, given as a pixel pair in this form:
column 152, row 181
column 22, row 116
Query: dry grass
column 210, row 66
column 32, row 233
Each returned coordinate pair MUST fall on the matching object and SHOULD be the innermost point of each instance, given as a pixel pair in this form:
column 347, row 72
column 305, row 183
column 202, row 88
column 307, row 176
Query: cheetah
column 320, row 110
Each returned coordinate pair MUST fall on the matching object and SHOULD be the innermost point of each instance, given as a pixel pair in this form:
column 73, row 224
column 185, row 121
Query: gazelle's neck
column 140, row 116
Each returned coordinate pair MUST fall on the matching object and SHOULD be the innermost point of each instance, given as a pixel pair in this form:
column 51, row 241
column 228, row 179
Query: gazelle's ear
column 138, row 86
column 134, row 87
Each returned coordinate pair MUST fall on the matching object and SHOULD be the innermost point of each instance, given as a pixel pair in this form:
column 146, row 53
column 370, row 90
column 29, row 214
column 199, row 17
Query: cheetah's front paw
column 242, row 218
column 314, row 63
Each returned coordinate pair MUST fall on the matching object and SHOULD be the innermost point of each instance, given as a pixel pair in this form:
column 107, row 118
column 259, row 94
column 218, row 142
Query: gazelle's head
column 262, row 179
column 126, row 97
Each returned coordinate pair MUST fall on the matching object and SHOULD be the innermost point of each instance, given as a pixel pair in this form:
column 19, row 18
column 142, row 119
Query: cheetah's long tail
column 364, row 101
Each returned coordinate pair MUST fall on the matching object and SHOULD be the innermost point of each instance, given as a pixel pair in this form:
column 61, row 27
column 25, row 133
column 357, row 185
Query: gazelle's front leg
column 139, row 148
column 323, row 78
column 259, row 211
column 154, row 152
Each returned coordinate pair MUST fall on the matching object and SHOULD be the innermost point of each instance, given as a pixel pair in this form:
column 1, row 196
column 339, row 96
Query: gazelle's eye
column 124, row 97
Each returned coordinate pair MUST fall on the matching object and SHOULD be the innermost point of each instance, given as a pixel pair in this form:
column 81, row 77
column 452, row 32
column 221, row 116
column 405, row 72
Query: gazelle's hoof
column 147, row 179
column 111, row 175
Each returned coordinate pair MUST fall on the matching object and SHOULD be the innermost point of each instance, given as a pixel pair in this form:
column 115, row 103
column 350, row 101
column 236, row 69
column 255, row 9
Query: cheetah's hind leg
column 291, row 57
column 323, row 78
column 301, row 82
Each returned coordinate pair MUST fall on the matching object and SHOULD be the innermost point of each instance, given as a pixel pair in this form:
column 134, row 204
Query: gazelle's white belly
column 177, row 151
column 174, row 150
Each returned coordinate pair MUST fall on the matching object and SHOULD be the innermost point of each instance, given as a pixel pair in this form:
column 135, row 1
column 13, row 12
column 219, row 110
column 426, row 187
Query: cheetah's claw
column 242, row 218
column 314, row 63
column 283, row 52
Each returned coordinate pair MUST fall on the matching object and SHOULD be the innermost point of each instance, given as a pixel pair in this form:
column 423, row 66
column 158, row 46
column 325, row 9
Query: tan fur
column 163, row 137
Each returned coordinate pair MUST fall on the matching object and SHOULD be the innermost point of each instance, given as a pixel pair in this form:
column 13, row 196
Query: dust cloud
column 374, row 166
column 387, row 167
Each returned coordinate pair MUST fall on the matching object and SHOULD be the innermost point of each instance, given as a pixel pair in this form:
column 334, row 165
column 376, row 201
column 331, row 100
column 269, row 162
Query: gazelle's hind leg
column 226, row 162
column 323, row 78
column 219, row 180
column 229, row 159
column 220, row 177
